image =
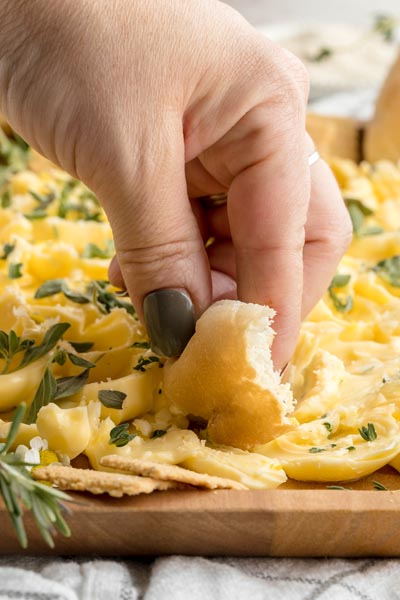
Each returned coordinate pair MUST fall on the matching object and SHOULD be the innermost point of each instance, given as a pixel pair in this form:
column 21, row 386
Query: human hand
column 152, row 101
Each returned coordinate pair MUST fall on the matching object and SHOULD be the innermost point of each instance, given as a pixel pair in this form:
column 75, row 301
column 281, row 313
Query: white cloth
column 193, row 578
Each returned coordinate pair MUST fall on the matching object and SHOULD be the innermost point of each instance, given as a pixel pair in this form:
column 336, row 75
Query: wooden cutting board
column 298, row 519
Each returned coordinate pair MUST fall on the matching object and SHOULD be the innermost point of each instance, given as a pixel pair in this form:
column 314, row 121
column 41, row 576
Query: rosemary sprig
column 19, row 490
column 368, row 432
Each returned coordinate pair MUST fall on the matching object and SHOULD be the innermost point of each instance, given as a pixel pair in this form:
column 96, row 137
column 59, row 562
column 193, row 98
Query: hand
column 152, row 101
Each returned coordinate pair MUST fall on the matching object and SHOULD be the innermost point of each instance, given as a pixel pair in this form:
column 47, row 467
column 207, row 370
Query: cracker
column 99, row 482
column 170, row 473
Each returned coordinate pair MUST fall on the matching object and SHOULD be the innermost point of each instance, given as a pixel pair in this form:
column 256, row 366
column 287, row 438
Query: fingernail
column 170, row 321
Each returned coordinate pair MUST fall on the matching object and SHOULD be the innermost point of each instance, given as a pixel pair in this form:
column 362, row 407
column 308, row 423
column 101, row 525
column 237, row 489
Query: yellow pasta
column 93, row 386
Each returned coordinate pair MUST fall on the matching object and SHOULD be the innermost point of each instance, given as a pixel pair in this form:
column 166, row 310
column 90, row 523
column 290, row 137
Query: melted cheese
column 345, row 373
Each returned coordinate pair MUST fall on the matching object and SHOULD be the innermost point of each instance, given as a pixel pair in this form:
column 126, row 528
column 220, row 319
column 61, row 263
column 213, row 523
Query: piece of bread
column 336, row 136
column 226, row 376
column 382, row 138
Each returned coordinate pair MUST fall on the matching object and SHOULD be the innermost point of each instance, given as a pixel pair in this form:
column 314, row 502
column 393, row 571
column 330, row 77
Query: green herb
column 75, row 296
column 14, row 153
column 49, row 288
column 44, row 395
column 18, row 489
column 379, row 486
column 158, row 433
column 40, row 212
column 120, row 436
column 357, row 211
column 368, row 432
column 335, row 487
column 140, row 345
column 60, row 357
column 342, row 305
column 15, row 270
column 7, row 249
column 80, row 362
column 93, row 251
column 10, row 345
column 143, row 362
column 68, row 386
column 96, row 292
column 111, row 398
column 85, row 205
column 37, row 213
column 389, row 270
column 105, row 300
column 350, row 448
column 328, row 426
column 52, row 336
column 5, row 199
column 386, row 26
column 51, row 389
column 383, row 25
column 322, row 54
column 82, row 346
column 373, row 230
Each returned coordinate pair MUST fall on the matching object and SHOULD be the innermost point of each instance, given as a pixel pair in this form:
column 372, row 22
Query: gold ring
column 214, row 200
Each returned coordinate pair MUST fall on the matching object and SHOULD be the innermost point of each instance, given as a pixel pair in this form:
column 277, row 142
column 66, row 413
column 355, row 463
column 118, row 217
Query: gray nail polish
column 170, row 321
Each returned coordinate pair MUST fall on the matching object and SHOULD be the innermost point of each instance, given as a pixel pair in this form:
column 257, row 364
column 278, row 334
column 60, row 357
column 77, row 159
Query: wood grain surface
column 289, row 521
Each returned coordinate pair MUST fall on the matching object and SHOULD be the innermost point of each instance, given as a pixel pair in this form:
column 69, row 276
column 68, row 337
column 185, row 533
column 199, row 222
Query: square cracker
column 99, row 482
column 171, row 473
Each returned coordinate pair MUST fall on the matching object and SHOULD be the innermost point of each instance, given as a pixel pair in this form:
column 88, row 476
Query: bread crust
column 225, row 375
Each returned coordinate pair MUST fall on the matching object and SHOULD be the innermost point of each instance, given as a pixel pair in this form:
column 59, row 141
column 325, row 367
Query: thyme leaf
column 120, row 436
column 158, row 433
column 389, row 270
column 68, row 386
column 15, row 270
column 341, row 305
column 111, row 398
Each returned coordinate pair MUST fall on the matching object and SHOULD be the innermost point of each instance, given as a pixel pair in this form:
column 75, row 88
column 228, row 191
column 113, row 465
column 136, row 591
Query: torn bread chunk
column 169, row 473
column 226, row 376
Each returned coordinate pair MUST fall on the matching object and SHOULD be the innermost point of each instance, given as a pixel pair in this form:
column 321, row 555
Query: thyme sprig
column 19, row 490
column 97, row 291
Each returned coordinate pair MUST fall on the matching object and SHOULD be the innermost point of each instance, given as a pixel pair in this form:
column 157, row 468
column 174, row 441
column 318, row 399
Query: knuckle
column 339, row 237
column 158, row 261
column 284, row 75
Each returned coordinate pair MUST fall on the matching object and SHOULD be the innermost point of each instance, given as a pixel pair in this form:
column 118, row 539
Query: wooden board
column 289, row 521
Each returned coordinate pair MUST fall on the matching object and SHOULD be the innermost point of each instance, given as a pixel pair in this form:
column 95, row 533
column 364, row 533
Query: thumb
column 159, row 247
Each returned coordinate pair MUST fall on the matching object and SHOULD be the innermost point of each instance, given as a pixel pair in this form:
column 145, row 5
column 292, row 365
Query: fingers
column 267, row 209
column 158, row 242
column 328, row 234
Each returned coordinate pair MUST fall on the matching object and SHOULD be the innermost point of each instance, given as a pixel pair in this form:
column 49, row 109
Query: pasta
column 93, row 386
